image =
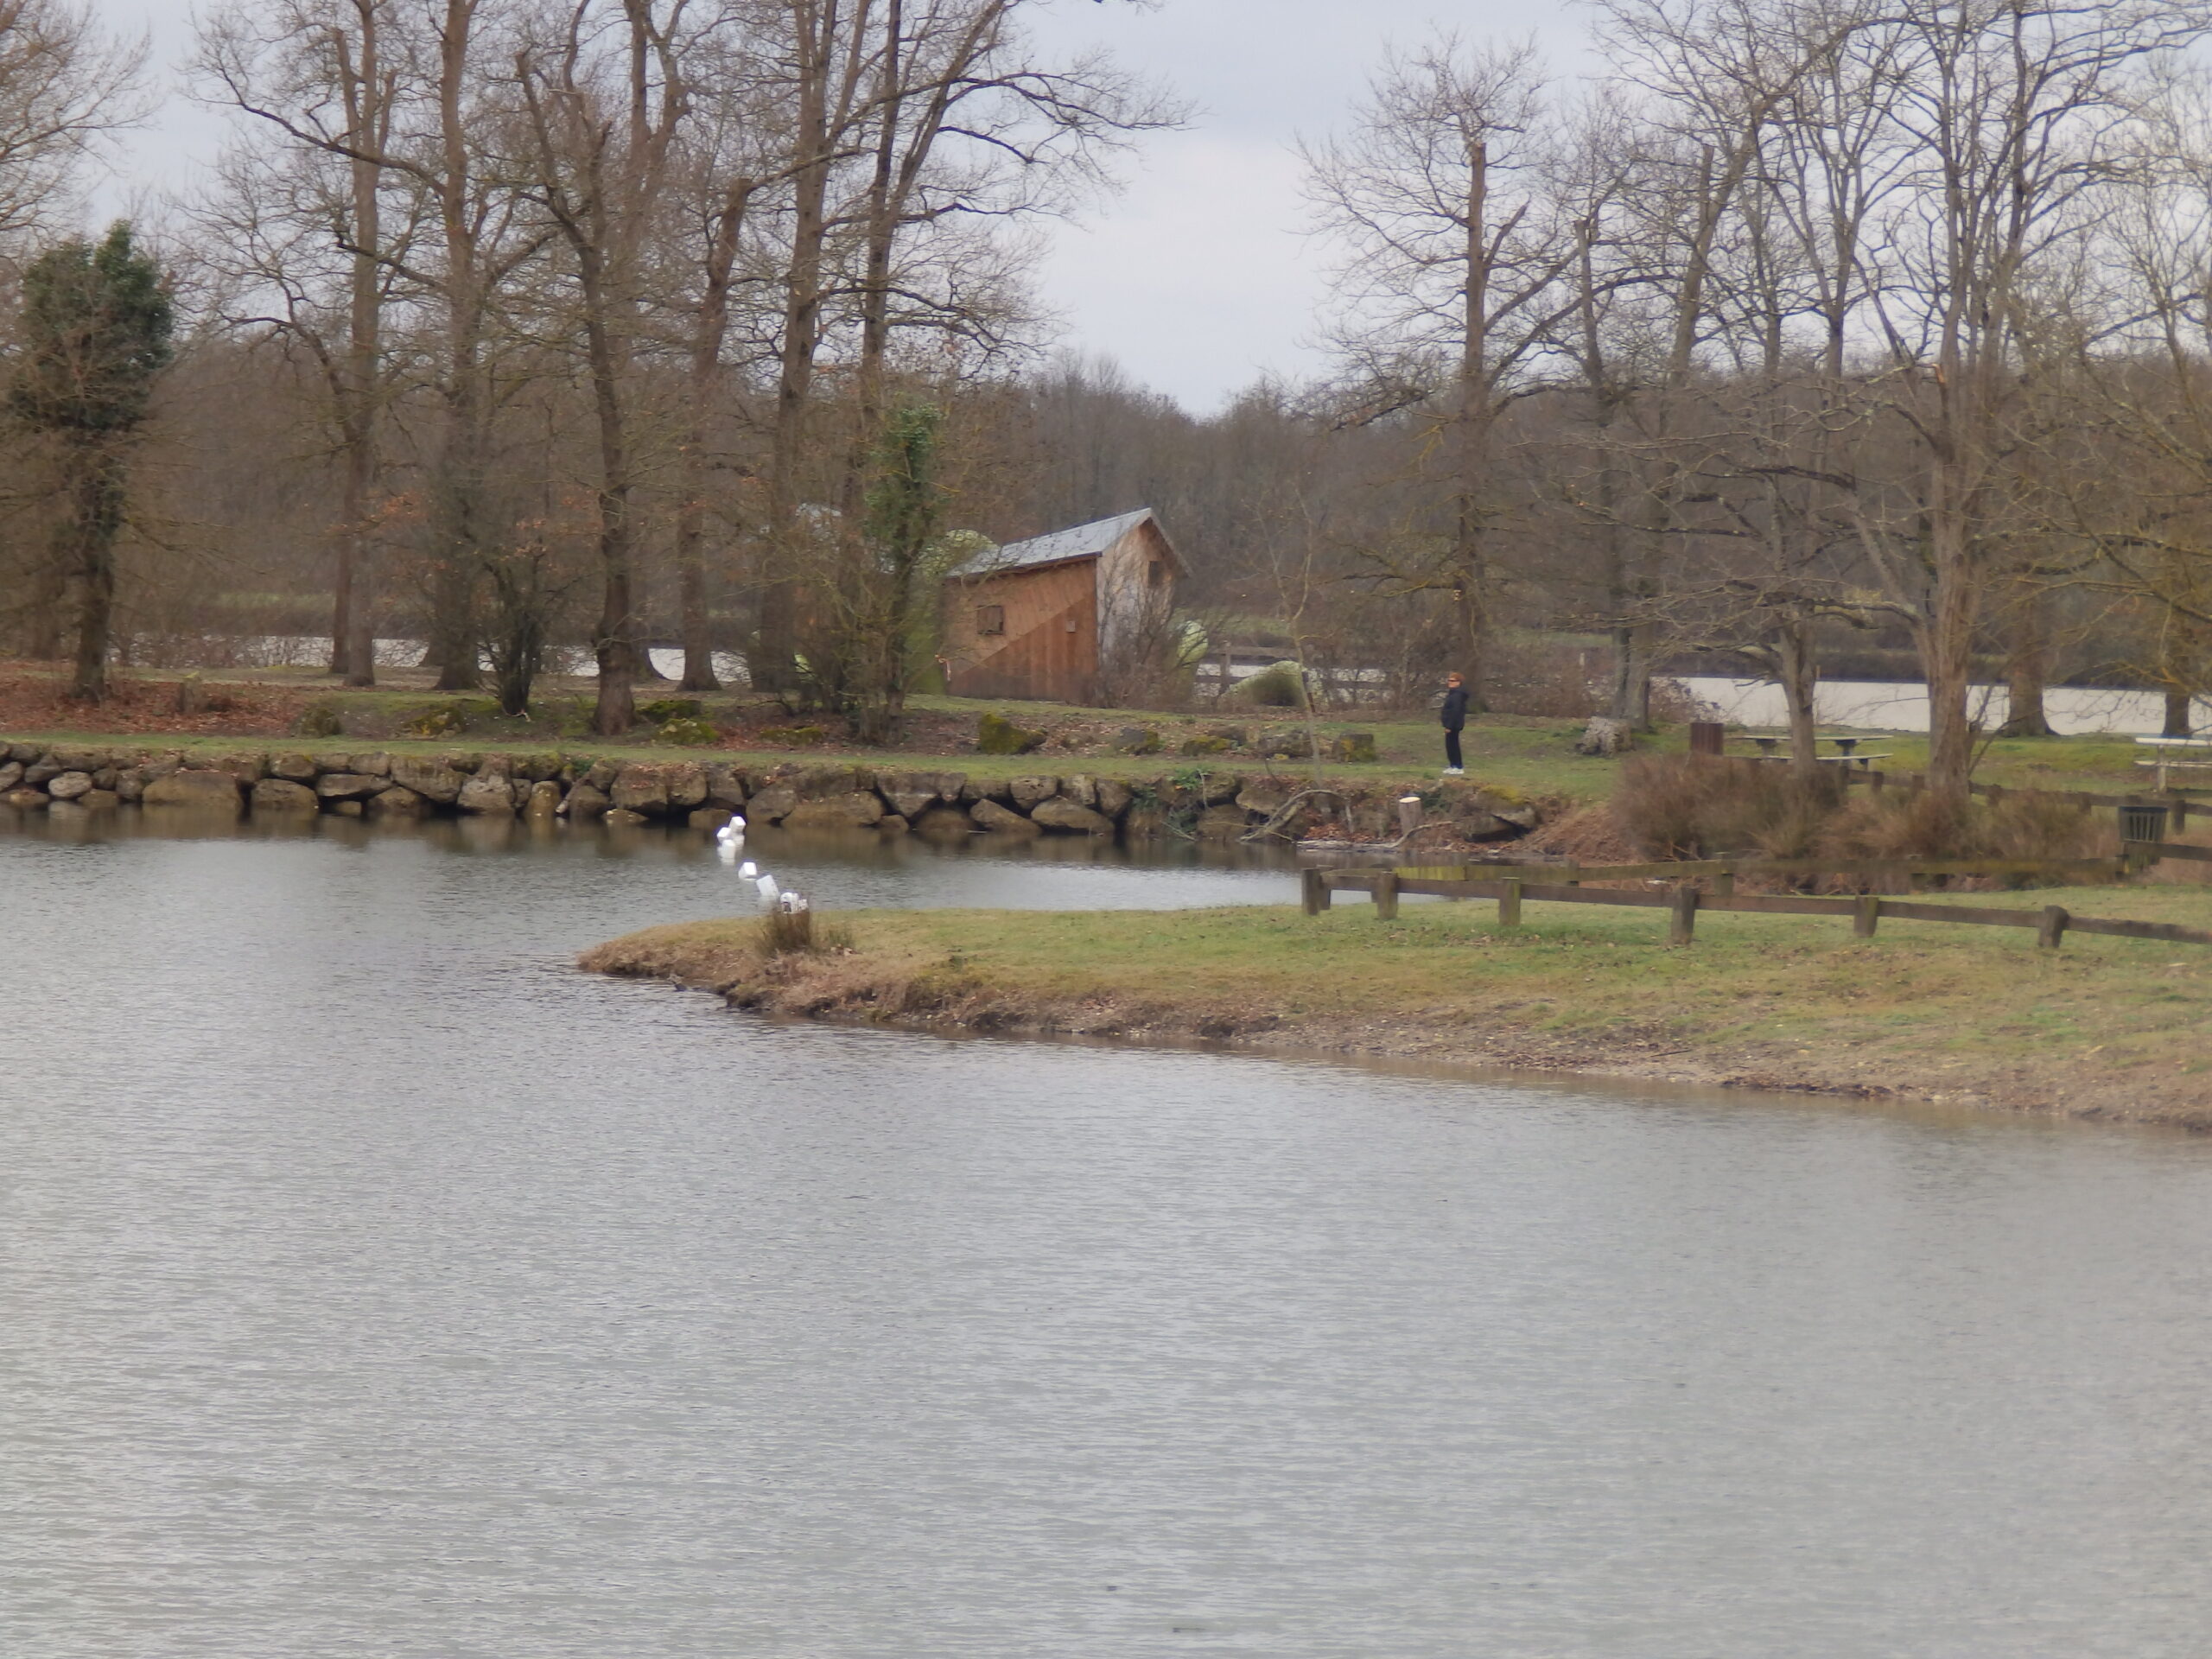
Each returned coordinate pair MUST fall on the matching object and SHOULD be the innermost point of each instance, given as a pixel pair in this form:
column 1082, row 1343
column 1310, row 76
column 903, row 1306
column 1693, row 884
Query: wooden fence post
column 2052, row 929
column 1386, row 896
column 1863, row 919
column 1682, row 915
column 1509, row 902
column 1725, row 883
column 1313, row 890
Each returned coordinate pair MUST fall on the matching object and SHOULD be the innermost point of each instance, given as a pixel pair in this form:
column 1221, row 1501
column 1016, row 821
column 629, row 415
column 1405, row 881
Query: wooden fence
column 1683, row 900
column 2175, row 796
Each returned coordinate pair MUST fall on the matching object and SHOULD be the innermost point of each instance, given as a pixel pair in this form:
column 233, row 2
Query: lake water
column 373, row 1284
column 1902, row 706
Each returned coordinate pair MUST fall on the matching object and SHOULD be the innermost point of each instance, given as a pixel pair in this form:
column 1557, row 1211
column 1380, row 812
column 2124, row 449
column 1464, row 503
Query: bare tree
column 1451, row 288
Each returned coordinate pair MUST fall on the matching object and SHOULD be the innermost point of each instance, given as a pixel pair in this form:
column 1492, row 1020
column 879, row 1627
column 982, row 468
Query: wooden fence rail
column 1683, row 901
column 2176, row 797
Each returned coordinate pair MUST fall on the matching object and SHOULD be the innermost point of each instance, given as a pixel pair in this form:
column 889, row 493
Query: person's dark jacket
column 1453, row 715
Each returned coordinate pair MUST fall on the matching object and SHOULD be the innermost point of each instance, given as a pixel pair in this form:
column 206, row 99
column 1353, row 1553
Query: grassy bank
column 1530, row 755
column 2106, row 1028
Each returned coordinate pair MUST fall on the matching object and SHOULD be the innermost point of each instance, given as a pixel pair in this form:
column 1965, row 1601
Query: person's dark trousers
column 1451, row 748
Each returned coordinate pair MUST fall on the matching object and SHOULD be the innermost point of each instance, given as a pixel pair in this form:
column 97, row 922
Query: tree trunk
column 1801, row 676
column 2177, row 717
column 775, row 658
column 2026, row 669
column 96, row 518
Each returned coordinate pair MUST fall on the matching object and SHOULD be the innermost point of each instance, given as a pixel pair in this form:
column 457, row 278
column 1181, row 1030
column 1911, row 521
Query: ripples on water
column 371, row 1283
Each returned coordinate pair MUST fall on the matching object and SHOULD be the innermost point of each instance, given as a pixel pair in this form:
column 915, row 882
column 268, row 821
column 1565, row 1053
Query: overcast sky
column 1195, row 278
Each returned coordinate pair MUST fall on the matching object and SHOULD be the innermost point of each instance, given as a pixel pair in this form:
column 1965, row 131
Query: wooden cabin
column 1039, row 619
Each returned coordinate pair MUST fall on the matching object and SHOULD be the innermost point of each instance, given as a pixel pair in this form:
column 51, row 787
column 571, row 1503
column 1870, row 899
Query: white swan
column 748, row 870
column 794, row 902
column 731, row 833
column 769, row 890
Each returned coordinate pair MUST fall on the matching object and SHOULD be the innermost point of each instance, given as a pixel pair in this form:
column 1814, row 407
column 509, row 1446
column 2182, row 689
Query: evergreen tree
column 97, row 324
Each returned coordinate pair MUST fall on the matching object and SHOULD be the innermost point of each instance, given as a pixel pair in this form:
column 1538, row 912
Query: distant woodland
column 1810, row 336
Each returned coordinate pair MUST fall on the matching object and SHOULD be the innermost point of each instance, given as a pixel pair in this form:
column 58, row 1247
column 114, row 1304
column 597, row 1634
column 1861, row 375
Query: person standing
column 1453, row 715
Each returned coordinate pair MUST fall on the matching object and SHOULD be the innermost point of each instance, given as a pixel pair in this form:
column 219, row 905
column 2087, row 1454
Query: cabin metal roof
column 1082, row 542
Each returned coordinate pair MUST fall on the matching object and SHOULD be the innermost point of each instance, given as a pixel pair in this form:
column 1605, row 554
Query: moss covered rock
column 996, row 734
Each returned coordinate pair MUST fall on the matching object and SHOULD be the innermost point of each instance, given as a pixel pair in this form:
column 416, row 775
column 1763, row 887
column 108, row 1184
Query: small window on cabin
column 990, row 619
column 1155, row 574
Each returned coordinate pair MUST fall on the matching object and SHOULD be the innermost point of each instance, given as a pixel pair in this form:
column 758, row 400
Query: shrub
column 445, row 721
column 796, row 933
column 1701, row 807
column 1281, row 685
column 996, row 734
column 320, row 720
column 793, row 737
column 661, row 710
column 691, row 734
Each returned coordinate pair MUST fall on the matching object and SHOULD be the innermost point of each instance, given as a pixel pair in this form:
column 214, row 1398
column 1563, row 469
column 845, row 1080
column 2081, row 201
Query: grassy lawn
column 2103, row 1026
column 1531, row 755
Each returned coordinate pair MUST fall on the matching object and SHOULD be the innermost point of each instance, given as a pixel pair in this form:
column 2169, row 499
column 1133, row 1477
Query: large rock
column 282, row 795
column 41, row 773
column 1258, row 795
column 1604, row 736
column 911, row 793
column 349, row 786
column 828, row 783
column 973, row 790
column 296, row 767
column 1025, row 792
column 687, row 785
column 99, row 800
column 585, row 802
column 709, row 818
column 26, row 800
column 1355, row 748
column 11, row 774
column 944, row 823
column 487, row 793
column 1063, row 814
column 859, row 809
column 1081, row 789
column 602, row 775
column 772, row 804
column 85, row 760
column 725, row 788
column 398, row 802
column 130, row 784
column 993, row 819
column 432, row 780
column 1114, row 798
column 1221, row 824
column 68, row 785
column 621, row 817
column 545, row 798
column 248, row 766
column 641, row 788
column 210, row 792
column 370, row 765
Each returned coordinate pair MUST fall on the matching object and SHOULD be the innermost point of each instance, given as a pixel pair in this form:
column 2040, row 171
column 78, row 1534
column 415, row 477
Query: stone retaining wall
column 62, row 778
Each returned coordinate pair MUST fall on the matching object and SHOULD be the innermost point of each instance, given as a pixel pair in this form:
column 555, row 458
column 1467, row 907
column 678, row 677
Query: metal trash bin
column 2142, row 822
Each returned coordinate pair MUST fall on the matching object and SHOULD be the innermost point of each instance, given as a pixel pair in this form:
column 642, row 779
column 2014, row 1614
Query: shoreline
column 901, row 975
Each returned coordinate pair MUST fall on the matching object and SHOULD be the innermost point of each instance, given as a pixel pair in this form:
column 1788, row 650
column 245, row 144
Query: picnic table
column 2164, row 759
column 1847, row 748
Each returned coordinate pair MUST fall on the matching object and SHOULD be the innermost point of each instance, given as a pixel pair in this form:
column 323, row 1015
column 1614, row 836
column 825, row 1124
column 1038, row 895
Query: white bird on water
column 748, row 870
column 769, row 890
column 731, row 834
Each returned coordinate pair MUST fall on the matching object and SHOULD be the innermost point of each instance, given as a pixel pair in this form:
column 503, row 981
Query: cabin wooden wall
column 1040, row 656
